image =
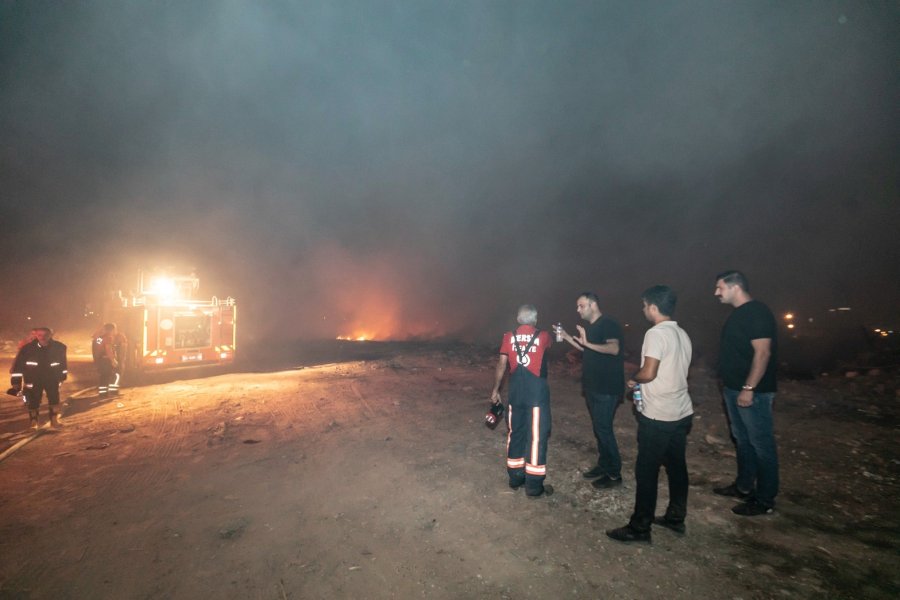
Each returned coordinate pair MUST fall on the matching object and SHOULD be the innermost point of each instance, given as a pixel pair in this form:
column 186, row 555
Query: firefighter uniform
column 103, row 349
column 120, row 348
column 40, row 369
column 529, row 408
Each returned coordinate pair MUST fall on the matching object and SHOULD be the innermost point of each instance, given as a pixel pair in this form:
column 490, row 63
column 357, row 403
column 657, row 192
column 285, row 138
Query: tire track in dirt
column 163, row 437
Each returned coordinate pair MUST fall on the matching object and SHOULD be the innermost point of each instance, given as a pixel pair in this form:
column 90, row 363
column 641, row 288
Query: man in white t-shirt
column 664, row 419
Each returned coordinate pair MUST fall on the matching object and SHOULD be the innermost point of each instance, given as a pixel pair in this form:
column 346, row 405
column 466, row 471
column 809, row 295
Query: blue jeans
column 754, row 437
column 602, row 408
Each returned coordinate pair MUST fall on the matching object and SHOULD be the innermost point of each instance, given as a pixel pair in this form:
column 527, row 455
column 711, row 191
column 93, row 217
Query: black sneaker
column 593, row 473
column 752, row 508
column 628, row 534
column 606, row 482
column 547, row 491
column 676, row 526
column 731, row 491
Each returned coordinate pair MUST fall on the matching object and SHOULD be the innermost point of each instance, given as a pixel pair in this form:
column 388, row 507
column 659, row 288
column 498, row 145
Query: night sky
column 418, row 169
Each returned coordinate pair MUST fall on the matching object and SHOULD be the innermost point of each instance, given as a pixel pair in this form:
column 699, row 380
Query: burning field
column 363, row 470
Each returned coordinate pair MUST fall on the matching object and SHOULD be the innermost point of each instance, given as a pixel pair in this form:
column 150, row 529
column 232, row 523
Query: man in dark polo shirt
column 603, row 383
column 747, row 359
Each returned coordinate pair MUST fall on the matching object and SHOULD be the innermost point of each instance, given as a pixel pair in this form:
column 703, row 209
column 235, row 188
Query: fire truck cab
column 166, row 327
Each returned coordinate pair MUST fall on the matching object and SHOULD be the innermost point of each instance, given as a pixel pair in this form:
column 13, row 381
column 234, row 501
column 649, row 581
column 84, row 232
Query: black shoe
column 547, row 491
column 731, row 491
column 516, row 486
column 606, row 482
column 676, row 526
column 628, row 534
column 593, row 473
column 752, row 508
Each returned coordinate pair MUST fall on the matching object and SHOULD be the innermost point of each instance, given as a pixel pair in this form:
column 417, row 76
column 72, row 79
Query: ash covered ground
column 364, row 471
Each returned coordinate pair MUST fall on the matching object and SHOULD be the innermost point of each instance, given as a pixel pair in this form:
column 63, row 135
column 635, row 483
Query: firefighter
column 40, row 367
column 103, row 349
column 120, row 348
column 523, row 352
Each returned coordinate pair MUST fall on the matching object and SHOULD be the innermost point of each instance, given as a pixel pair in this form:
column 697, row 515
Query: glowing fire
column 350, row 338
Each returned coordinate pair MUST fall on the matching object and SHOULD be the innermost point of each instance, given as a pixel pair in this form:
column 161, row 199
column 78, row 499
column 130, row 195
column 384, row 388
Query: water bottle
column 638, row 398
column 558, row 329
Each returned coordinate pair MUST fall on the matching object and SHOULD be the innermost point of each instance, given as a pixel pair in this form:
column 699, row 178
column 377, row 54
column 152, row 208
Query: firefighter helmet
column 494, row 415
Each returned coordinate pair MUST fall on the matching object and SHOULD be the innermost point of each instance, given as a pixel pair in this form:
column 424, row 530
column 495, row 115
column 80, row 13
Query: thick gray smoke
column 418, row 169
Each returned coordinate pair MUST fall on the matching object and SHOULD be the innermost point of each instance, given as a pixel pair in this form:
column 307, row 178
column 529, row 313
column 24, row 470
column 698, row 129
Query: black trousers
column 107, row 375
column 35, row 389
column 660, row 444
column 529, row 422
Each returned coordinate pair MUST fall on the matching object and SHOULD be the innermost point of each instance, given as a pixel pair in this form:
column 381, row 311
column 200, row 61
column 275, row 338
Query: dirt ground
column 376, row 478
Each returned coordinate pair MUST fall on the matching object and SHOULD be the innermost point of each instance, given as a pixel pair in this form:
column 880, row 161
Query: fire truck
column 167, row 327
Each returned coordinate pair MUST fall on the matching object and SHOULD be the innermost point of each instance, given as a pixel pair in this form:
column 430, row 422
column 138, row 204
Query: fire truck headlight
column 159, row 360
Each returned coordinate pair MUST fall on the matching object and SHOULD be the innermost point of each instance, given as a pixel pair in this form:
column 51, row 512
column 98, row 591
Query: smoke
column 419, row 169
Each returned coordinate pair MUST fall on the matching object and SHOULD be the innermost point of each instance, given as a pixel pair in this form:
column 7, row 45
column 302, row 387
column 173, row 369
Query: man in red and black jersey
column 524, row 352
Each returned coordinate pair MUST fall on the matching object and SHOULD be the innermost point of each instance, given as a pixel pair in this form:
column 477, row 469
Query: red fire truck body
column 166, row 328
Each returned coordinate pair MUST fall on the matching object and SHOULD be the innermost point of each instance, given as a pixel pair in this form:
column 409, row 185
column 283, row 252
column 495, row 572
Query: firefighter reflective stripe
column 509, row 410
column 539, row 471
column 29, row 385
column 516, row 463
column 114, row 386
column 15, row 374
column 31, row 363
column 511, row 463
column 54, row 364
column 532, row 467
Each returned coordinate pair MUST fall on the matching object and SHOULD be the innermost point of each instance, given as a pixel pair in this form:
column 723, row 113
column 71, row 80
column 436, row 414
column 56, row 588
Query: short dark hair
column 663, row 297
column 47, row 329
column 734, row 278
column 591, row 297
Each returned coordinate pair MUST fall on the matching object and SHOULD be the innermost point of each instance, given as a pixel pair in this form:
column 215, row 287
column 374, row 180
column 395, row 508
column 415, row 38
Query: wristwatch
column 748, row 388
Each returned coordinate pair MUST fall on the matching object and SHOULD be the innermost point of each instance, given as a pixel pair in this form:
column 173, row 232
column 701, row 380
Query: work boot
column 54, row 419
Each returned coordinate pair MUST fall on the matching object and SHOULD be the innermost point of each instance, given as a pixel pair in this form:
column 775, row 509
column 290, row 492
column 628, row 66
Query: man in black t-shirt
column 603, row 382
column 747, row 359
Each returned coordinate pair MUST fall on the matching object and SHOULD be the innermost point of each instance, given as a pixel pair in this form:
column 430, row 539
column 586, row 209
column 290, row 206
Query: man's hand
column 745, row 399
column 570, row 339
column 630, row 384
column 582, row 336
column 495, row 397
